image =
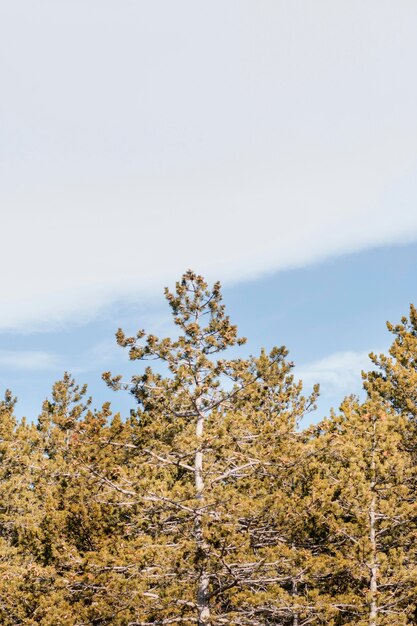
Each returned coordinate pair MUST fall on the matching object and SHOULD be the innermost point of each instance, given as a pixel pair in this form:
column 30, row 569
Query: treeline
column 209, row 504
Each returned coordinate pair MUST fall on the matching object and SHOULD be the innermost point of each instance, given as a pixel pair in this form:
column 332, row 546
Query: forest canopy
column 208, row 504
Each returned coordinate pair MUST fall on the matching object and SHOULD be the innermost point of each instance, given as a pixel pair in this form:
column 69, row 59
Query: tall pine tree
column 215, row 441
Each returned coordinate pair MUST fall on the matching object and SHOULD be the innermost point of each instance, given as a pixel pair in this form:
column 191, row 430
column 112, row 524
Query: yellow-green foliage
column 209, row 504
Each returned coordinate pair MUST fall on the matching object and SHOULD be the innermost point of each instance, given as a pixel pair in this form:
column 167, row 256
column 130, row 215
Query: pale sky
column 241, row 138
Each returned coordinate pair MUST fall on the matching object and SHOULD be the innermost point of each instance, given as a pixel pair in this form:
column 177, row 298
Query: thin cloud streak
column 338, row 374
column 28, row 360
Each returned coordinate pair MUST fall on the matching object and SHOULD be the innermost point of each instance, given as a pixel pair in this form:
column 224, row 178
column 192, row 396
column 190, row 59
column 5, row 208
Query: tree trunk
column 373, row 587
column 203, row 608
column 373, row 583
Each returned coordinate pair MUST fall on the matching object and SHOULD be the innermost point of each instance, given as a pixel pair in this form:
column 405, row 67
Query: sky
column 271, row 145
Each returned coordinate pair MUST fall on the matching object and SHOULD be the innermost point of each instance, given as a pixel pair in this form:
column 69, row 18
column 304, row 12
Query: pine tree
column 81, row 521
column 214, row 443
column 395, row 379
column 21, row 576
column 58, row 527
column 365, row 509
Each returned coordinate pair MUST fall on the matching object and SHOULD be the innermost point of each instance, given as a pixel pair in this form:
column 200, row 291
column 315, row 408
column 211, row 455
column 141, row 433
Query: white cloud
column 234, row 138
column 27, row 360
column 338, row 374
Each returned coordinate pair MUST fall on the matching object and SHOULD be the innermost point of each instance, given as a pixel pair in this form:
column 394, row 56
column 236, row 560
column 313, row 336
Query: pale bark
column 202, row 599
column 373, row 585
column 373, row 582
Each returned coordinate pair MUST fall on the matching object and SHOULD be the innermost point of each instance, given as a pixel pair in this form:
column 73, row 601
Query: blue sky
column 330, row 315
column 270, row 144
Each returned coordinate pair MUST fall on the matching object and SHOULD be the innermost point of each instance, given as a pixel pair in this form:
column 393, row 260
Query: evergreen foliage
column 209, row 504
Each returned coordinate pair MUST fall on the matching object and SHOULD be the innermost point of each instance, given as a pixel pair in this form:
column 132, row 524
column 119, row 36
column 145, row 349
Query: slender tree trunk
column 373, row 586
column 203, row 607
column 373, row 583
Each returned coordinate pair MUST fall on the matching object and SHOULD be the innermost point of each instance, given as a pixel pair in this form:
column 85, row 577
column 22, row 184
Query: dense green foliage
column 209, row 504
